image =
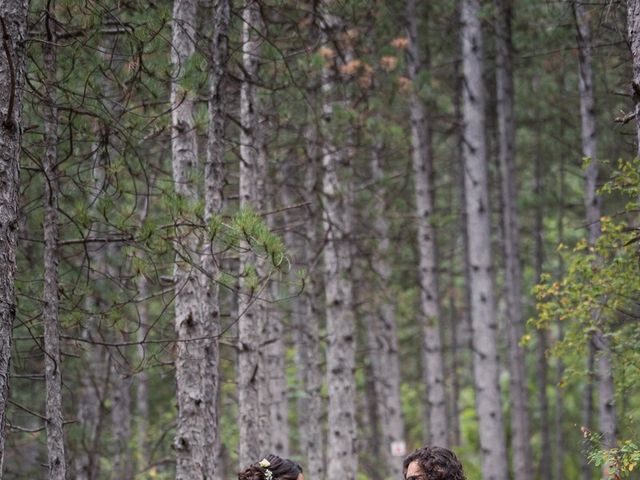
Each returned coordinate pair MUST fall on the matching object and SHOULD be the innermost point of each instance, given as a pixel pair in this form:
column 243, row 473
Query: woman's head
column 433, row 463
column 278, row 468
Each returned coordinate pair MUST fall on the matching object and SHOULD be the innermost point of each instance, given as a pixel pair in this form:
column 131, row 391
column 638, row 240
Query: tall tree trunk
column 545, row 469
column 369, row 404
column 381, row 331
column 599, row 343
column 306, row 317
column 95, row 374
column 275, row 351
column 13, row 20
column 337, row 224
column 559, row 437
column 633, row 29
column 483, row 317
column 196, row 349
column 251, row 310
column 50, row 294
column 214, row 178
column 275, row 367
column 436, row 414
column 142, row 378
column 121, row 416
column 463, row 325
column 522, row 462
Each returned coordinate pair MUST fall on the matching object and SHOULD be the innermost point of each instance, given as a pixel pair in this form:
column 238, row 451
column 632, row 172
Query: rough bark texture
column 213, row 204
column 13, row 15
column 196, row 360
column 606, row 391
column 337, row 222
column 13, row 18
column 522, row 460
column 436, row 414
column 276, row 381
column 50, row 295
column 483, row 318
column 275, row 351
column 306, row 317
column 252, row 414
column 633, row 28
column 381, row 331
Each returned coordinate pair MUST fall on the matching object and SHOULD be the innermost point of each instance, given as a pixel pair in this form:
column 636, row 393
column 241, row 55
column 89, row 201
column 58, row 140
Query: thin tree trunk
column 369, row 404
column 454, row 405
column 381, row 331
column 599, row 343
column 483, row 317
column 464, row 331
column 50, row 295
column 196, row 360
column 253, row 413
column 275, row 367
column 275, row 358
column 436, row 414
column 142, row 380
column 559, row 437
column 522, row 461
column 545, row 469
column 121, row 418
column 338, row 264
column 633, row 28
column 95, row 374
column 306, row 319
column 13, row 21
column 214, row 178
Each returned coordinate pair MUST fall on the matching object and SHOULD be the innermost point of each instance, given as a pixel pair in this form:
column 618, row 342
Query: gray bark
column 90, row 412
column 483, row 317
column 196, row 360
column 337, row 222
column 306, row 317
column 605, row 385
column 121, row 419
column 522, row 460
column 142, row 380
column 463, row 335
column 276, row 381
column 381, row 331
column 252, row 409
column 436, row 414
column 50, row 295
column 214, row 178
column 95, row 375
column 633, row 29
column 13, row 17
column 275, row 353
column 545, row 469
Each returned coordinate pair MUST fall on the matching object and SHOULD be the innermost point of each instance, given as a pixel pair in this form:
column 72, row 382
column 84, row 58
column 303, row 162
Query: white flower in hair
column 264, row 463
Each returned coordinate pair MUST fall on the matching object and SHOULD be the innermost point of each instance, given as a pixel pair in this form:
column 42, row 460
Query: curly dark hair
column 436, row 463
column 281, row 468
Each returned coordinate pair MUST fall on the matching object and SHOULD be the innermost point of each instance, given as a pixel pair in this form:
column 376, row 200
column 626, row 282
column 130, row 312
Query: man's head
column 432, row 463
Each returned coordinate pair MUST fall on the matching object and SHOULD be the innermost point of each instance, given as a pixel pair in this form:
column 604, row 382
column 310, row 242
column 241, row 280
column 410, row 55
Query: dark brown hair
column 436, row 463
column 281, row 469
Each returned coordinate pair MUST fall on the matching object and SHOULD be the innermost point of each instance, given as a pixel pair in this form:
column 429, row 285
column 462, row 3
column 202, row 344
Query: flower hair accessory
column 264, row 463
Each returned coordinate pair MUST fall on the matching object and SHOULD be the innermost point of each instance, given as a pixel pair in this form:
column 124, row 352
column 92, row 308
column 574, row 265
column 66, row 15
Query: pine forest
column 236, row 234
